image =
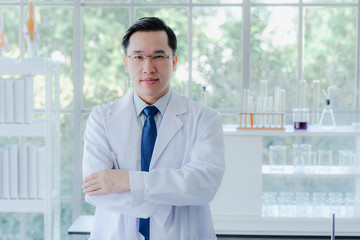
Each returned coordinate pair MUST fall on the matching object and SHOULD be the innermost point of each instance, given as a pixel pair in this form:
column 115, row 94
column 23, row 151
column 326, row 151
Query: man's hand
column 106, row 181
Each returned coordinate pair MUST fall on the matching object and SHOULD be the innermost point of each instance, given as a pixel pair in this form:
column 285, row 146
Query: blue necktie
column 147, row 147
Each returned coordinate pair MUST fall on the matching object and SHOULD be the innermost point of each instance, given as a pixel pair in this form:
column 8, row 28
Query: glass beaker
column 318, row 208
column 300, row 118
column 286, row 206
column 302, row 204
column 346, row 160
column 325, row 160
column 269, row 204
column 302, row 156
column 336, row 203
column 277, row 157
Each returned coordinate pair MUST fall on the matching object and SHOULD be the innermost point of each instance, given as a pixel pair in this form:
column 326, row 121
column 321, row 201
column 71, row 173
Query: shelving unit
column 47, row 129
column 237, row 207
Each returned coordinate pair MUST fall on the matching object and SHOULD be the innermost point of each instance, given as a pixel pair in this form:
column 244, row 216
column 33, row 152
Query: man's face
column 151, row 79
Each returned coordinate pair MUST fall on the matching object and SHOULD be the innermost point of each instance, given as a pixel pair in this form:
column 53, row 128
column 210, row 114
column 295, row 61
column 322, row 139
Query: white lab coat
column 186, row 170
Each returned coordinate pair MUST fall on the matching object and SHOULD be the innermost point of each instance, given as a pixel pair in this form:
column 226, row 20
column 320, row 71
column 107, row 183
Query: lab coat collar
column 123, row 104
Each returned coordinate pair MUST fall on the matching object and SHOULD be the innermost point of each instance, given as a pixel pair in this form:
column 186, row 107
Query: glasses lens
column 155, row 59
column 158, row 58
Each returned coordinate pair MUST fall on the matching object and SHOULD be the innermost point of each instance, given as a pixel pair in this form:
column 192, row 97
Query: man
column 153, row 160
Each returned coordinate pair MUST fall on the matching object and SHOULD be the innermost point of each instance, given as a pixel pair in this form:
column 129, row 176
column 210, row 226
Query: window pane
column 217, row 56
column 39, row 94
column 11, row 31
column 273, row 50
column 9, row 225
column 329, row 52
column 34, row 226
column 177, row 19
column 66, row 220
column 288, row 184
column 104, row 75
column 56, row 42
column 88, row 209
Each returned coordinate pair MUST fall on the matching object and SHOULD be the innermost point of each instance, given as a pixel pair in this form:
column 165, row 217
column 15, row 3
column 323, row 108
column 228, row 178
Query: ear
column 174, row 62
column 125, row 62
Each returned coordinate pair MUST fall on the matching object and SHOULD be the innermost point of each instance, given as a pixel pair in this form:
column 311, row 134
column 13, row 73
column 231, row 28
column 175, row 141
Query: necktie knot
column 150, row 111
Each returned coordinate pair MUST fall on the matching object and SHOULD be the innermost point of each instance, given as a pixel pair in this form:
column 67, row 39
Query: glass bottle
column 327, row 120
column 203, row 95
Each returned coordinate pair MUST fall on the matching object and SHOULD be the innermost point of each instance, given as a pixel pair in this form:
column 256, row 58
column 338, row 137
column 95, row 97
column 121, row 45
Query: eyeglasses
column 157, row 59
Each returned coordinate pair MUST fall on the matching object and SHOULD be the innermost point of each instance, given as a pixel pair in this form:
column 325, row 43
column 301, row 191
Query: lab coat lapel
column 125, row 140
column 170, row 125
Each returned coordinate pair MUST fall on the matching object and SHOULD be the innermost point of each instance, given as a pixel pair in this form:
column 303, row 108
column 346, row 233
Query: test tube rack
column 257, row 121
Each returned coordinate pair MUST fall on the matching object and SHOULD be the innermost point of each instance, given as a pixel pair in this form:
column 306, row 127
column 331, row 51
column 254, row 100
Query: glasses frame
column 151, row 57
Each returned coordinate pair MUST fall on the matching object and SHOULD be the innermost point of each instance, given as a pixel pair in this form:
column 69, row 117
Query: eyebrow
column 142, row 52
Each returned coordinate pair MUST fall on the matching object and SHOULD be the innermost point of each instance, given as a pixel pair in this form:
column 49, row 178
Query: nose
column 148, row 66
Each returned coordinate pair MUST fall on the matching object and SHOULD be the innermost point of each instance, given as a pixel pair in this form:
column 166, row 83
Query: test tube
column 276, row 107
column 265, row 112
column 245, row 109
column 264, row 88
column 250, row 108
column 282, row 107
column 302, row 94
column 259, row 111
column 270, row 111
column 316, row 102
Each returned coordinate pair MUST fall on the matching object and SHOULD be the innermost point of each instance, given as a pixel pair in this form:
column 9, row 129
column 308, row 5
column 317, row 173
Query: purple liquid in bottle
column 300, row 125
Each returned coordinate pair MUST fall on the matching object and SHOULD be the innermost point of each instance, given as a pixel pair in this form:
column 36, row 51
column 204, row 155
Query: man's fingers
column 94, row 193
column 90, row 183
column 92, row 188
column 91, row 176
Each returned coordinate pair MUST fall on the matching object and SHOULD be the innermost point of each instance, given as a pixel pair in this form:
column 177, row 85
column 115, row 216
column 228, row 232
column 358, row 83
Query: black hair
column 148, row 24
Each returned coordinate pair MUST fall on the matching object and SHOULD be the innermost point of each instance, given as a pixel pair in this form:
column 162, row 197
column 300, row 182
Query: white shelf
column 289, row 131
column 281, row 226
column 22, row 205
column 311, row 171
column 27, row 66
column 25, row 130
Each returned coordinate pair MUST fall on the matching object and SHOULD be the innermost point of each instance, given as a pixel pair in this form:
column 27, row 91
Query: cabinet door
column 240, row 192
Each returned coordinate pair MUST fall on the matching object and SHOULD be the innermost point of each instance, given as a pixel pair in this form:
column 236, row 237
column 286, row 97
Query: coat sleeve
column 197, row 182
column 98, row 156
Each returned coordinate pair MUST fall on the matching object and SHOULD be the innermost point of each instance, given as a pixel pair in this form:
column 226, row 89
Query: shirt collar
column 160, row 104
